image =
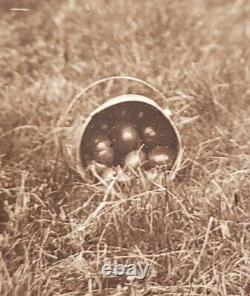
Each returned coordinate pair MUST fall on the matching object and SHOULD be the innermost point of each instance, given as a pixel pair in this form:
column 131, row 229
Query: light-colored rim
column 122, row 99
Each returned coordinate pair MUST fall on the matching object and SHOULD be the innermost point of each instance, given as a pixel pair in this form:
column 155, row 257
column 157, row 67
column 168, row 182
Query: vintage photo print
column 124, row 147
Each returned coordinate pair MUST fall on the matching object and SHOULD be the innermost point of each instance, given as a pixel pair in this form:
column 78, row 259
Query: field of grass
column 56, row 230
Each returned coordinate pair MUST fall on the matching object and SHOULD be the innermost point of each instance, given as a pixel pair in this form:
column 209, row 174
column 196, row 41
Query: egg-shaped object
column 125, row 138
column 105, row 156
column 101, row 143
column 161, row 155
column 151, row 136
column 96, row 167
column 134, row 159
column 109, row 173
column 104, row 127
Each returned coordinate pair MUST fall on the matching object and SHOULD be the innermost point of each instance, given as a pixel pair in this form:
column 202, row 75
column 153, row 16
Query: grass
column 57, row 230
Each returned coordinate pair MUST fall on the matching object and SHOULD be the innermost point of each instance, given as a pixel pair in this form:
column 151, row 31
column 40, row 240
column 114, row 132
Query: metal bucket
column 139, row 110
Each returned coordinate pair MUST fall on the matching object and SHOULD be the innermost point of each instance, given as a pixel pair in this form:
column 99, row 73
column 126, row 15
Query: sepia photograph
column 124, row 147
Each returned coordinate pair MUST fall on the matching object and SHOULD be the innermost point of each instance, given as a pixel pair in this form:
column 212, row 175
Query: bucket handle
column 103, row 80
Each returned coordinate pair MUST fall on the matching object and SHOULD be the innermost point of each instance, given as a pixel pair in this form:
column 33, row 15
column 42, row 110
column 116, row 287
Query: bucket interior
column 136, row 113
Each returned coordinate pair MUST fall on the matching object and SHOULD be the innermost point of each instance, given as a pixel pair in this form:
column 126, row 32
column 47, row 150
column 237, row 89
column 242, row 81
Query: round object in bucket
column 125, row 124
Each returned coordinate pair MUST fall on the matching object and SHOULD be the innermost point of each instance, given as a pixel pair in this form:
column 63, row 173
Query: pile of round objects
column 130, row 132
